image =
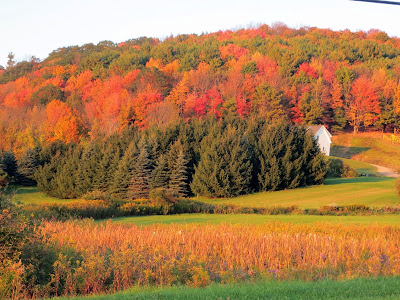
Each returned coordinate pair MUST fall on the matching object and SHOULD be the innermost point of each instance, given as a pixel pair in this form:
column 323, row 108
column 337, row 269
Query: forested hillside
column 308, row 75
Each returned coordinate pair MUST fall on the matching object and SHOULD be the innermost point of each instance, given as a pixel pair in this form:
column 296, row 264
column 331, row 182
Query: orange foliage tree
column 61, row 123
column 364, row 106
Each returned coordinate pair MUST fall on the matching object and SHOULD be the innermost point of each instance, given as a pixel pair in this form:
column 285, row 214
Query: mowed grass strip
column 371, row 191
column 257, row 219
column 372, row 289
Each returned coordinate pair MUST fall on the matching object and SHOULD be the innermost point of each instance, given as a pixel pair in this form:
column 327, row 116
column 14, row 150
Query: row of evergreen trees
column 205, row 157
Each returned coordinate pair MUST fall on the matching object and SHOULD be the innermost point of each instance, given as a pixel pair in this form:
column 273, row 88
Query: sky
column 37, row 27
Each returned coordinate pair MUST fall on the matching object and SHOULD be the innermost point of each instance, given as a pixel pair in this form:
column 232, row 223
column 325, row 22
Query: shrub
column 134, row 209
column 337, row 168
column 189, row 206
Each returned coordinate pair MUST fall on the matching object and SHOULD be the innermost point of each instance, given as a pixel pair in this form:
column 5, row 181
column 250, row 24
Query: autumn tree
column 364, row 106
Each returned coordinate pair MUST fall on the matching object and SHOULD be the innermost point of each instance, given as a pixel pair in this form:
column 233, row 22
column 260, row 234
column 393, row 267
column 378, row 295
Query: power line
column 380, row 2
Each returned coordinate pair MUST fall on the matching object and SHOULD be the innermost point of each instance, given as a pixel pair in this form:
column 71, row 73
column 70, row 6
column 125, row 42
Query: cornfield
column 108, row 257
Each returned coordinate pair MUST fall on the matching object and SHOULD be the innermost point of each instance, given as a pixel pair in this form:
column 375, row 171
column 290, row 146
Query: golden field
column 108, row 257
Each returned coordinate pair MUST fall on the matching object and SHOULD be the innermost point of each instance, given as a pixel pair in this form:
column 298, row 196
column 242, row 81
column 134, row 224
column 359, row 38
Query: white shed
column 322, row 136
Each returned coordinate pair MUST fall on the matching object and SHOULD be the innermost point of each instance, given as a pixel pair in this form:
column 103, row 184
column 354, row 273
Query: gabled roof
column 315, row 128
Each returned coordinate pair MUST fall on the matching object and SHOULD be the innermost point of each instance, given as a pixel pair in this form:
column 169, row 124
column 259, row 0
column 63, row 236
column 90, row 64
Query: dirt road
column 386, row 171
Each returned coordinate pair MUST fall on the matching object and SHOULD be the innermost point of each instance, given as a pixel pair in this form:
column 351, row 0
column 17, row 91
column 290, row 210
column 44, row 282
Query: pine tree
column 224, row 169
column 289, row 158
column 108, row 164
column 122, row 176
column 268, row 102
column 178, row 184
column 139, row 185
column 67, row 184
column 10, row 165
column 88, row 168
column 160, row 174
column 26, row 168
column 270, row 148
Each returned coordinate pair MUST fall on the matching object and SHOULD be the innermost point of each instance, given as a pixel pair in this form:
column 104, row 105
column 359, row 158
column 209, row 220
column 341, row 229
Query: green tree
column 108, row 164
column 268, row 102
column 9, row 164
column 160, row 174
column 67, row 182
column 122, row 176
column 224, row 169
column 10, row 61
column 289, row 158
column 139, row 185
column 26, row 167
column 88, row 170
column 46, row 94
column 178, row 184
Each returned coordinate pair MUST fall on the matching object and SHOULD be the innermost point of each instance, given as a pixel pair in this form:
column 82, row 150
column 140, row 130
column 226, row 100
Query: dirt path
column 386, row 171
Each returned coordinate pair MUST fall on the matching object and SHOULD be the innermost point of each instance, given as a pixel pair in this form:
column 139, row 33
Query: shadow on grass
column 19, row 190
column 363, row 179
column 347, row 152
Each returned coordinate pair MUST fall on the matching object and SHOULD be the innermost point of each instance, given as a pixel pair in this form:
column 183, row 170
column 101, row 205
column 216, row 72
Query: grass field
column 371, row 289
column 31, row 195
column 258, row 219
column 367, row 147
column 371, row 191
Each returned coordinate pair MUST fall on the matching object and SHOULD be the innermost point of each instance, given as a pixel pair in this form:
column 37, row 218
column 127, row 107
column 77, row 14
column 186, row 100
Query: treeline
column 204, row 157
column 344, row 80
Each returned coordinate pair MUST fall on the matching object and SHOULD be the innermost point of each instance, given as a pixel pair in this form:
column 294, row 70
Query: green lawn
column 371, row 289
column 31, row 195
column 258, row 219
column 371, row 191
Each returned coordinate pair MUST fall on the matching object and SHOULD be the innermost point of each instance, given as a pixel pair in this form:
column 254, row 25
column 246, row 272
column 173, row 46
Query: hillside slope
column 368, row 147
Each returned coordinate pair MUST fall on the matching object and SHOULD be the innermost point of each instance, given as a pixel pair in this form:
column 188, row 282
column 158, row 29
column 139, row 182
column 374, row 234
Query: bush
column 183, row 206
column 38, row 259
column 135, row 209
column 96, row 195
column 337, row 168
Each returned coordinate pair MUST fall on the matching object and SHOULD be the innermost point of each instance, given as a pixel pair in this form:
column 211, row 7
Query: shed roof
column 315, row 128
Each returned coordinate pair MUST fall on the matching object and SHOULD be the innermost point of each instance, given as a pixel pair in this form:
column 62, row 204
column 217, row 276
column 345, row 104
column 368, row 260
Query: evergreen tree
column 224, row 169
column 340, row 119
column 122, row 176
column 108, row 164
column 44, row 177
column 67, row 184
column 26, row 168
column 139, row 185
column 160, row 174
column 88, row 168
column 9, row 164
column 289, row 158
column 178, row 185
column 268, row 102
